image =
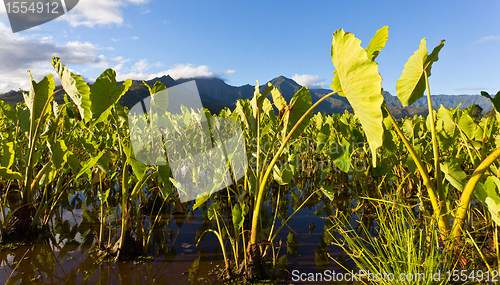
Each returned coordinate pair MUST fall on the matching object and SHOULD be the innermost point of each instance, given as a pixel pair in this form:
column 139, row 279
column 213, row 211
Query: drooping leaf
column 104, row 93
column 411, row 85
column 75, row 87
column 358, row 78
column 377, row 42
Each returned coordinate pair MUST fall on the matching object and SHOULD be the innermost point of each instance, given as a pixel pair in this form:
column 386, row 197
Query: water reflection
column 172, row 254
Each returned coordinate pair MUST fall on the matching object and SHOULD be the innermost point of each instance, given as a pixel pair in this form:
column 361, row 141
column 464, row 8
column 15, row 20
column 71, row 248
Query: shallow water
column 66, row 259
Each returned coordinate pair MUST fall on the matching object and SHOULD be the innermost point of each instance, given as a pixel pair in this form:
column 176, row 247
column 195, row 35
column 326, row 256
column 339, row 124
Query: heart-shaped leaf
column 75, row 87
column 104, row 93
column 411, row 85
column 39, row 94
column 377, row 42
column 358, row 78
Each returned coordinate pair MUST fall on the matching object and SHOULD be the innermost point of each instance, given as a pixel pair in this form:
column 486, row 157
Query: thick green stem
column 33, row 137
column 443, row 222
column 465, row 199
column 435, row 149
column 221, row 241
column 261, row 188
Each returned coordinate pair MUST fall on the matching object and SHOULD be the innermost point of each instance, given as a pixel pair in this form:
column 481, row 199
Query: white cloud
column 141, row 65
column 488, row 38
column 19, row 54
column 311, row 81
column 134, row 38
column 176, row 72
column 189, row 71
column 91, row 13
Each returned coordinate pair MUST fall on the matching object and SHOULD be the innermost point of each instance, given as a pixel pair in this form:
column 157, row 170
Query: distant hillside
column 216, row 94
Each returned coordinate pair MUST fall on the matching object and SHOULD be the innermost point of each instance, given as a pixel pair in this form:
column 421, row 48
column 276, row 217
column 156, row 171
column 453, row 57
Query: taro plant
column 292, row 121
column 357, row 78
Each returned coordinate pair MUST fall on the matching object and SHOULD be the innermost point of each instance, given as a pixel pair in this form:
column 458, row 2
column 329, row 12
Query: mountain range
column 216, row 94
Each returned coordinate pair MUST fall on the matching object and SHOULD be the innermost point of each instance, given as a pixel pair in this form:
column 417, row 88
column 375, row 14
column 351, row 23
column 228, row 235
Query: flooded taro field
column 179, row 251
column 271, row 191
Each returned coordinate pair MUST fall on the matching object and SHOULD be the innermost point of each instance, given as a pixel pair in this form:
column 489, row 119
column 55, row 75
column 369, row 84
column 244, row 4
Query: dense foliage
column 81, row 153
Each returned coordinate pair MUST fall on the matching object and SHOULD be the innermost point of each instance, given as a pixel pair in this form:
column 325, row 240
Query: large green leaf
column 487, row 193
column 244, row 111
column 258, row 98
column 298, row 106
column 75, row 87
column 322, row 136
column 445, row 127
column 358, row 78
column 7, row 154
column 340, row 154
column 454, row 174
column 138, row 167
column 104, row 93
column 239, row 215
column 377, row 42
column 411, row 85
column 467, row 125
column 59, row 152
column 8, row 111
column 39, row 94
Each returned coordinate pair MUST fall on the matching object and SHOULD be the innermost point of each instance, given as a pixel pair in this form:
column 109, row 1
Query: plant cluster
column 418, row 174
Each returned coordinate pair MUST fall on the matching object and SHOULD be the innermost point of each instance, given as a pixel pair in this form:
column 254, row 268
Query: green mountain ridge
column 216, row 94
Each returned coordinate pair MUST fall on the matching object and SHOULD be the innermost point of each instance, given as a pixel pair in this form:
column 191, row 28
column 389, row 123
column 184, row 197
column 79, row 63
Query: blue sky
column 256, row 40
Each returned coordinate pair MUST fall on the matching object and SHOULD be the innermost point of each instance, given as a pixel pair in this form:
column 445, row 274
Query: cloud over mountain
column 311, row 81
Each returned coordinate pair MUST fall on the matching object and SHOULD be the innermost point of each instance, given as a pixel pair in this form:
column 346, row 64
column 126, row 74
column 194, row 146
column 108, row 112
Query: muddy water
column 67, row 260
